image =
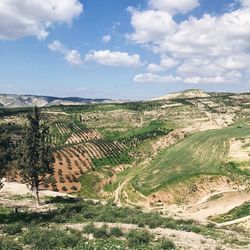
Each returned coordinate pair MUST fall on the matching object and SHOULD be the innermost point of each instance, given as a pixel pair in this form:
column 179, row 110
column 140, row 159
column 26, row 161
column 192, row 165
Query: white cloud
column 25, row 18
column 228, row 78
column 209, row 48
column 56, row 46
column 174, row 6
column 106, row 38
column 151, row 26
column 114, row 58
column 245, row 2
column 153, row 78
column 165, row 64
column 71, row 56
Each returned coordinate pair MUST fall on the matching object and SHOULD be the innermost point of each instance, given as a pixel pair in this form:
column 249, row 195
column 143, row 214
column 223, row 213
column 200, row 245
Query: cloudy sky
column 127, row 49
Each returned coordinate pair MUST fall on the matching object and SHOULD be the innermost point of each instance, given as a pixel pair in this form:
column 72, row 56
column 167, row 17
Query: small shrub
column 61, row 179
column 74, row 188
column 89, row 229
column 167, row 244
column 138, row 238
column 101, row 232
column 64, row 189
column 116, row 232
column 13, row 229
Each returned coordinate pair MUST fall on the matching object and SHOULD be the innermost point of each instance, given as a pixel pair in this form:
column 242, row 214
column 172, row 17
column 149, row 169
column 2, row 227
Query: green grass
column 153, row 127
column 204, row 153
column 89, row 182
column 215, row 197
column 243, row 167
column 236, row 213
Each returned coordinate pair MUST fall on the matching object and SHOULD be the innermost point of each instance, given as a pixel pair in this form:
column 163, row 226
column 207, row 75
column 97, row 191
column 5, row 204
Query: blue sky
column 126, row 49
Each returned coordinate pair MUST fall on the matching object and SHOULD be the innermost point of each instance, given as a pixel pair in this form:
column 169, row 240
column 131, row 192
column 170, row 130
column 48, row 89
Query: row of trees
column 34, row 153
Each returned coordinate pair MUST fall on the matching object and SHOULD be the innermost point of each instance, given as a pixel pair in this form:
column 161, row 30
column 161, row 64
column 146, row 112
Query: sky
column 123, row 49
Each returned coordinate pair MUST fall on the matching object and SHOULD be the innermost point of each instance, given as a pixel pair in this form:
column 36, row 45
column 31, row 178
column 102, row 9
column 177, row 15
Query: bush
column 116, row 232
column 48, row 239
column 89, row 229
column 13, row 229
column 167, row 244
column 101, row 232
column 64, row 189
column 138, row 238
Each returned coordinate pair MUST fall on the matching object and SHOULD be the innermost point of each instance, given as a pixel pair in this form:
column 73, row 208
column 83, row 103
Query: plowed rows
column 100, row 148
column 70, row 164
column 74, row 134
column 73, row 161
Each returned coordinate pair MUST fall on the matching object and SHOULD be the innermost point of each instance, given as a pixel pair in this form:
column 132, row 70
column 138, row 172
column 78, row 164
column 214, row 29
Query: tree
column 6, row 152
column 35, row 153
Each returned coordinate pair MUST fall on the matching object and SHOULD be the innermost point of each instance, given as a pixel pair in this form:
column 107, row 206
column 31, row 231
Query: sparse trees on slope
column 6, row 153
column 35, row 154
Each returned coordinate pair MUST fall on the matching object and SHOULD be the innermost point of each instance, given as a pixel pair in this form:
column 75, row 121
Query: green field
column 202, row 153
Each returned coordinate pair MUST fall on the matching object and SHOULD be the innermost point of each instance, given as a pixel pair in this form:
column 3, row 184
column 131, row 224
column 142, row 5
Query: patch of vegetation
column 215, row 197
column 13, row 229
column 138, row 238
column 166, row 244
column 89, row 182
column 48, row 239
column 121, row 158
column 236, row 213
column 7, row 243
column 116, row 232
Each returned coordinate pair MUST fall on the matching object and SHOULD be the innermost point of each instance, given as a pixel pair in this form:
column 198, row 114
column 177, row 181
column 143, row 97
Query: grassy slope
column 201, row 153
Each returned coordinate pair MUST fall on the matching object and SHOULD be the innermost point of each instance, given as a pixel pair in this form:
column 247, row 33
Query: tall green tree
column 6, row 152
column 35, row 153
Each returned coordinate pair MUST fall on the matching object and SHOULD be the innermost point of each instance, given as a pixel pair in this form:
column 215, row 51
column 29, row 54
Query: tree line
column 33, row 155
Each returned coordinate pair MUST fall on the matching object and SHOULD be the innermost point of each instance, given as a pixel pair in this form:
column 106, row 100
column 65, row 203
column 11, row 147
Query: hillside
column 187, row 94
column 184, row 157
column 14, row 101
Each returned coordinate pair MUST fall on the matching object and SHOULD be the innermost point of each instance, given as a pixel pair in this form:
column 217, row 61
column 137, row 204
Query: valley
column 183, row 156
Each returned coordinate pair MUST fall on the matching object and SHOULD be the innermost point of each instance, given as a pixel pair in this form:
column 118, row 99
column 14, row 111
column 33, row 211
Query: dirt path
column 118, row 192
column 184, row 240
column 218, row 206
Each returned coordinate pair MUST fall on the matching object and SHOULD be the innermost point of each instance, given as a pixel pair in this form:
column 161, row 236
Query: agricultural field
column 181, row 157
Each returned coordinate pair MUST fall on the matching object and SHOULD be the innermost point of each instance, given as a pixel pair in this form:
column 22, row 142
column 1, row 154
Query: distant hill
column 13, row 101
column 186, row 94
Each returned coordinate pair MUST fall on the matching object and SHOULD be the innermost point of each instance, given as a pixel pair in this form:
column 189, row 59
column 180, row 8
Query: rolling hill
column 16, row 101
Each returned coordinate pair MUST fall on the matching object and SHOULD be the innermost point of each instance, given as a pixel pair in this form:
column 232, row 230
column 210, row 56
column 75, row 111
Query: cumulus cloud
column 35, row 18
column 114, row 58
column 180, row 6
column 106, row 38
column 165, row 64
column 151, row 25
column 71, row 56
column 209, row 48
